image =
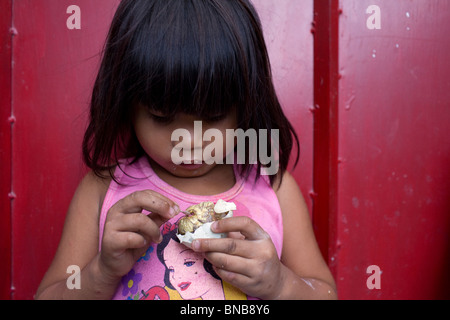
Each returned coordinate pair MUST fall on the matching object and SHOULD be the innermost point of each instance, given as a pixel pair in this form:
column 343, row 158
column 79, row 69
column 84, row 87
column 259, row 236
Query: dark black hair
column 202, row 57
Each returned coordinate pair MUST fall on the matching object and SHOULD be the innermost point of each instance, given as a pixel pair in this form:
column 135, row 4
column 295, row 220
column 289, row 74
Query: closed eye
column 217, row 118
column 160, row 118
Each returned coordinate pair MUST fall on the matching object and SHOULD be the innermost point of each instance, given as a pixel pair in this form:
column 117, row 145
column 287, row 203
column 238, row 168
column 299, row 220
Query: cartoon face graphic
column 187, row 273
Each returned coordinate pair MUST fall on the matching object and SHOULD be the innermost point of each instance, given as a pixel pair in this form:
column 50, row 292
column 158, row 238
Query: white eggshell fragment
column 223, row 206
column 202, row 232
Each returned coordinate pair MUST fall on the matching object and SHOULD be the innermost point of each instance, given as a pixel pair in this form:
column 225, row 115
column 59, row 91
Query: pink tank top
column 170, row 270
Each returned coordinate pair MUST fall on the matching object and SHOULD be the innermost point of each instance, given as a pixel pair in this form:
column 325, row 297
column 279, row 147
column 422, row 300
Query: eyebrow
column 185, row 250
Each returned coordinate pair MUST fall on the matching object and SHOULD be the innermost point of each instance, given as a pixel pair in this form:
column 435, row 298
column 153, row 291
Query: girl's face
column 154, row 132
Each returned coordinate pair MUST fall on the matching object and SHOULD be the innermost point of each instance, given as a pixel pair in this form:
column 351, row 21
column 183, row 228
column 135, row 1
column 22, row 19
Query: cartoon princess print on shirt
column 187, row 274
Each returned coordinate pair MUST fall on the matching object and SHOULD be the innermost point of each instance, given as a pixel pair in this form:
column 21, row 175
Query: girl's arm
column 127, row 235
column 79, row 246
column 306, row 275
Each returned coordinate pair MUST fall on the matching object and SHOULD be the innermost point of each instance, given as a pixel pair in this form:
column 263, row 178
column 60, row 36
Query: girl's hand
column 128, row 232
column 250, row 262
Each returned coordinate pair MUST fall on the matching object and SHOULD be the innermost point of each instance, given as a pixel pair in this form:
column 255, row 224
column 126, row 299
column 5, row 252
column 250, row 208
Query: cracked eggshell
column 222, row 206
column 203, row 232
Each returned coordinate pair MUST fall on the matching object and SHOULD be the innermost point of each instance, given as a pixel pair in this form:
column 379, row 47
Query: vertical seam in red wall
column 5, row 149
column 325, row 135
column 13, row 119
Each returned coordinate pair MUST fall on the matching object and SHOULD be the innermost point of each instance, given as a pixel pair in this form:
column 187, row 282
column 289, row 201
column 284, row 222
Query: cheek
column 152, row 139
column 157, row 149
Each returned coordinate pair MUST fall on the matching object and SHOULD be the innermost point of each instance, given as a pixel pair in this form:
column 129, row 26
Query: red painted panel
column 52, row 78
column 394, row 179
column 5, row 149
column 384, row 121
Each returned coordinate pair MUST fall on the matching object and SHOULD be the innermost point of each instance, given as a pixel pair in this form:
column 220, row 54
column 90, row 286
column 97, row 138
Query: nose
column 191, row 140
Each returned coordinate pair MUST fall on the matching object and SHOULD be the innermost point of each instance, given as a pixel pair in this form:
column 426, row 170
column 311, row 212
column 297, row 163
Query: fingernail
column 214, row 226
column 196, row 245
column 174, row 210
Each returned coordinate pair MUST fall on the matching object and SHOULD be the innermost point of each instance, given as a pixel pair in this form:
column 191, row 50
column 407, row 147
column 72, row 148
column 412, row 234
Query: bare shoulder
column 88, row 198
column 290, row 197
column 293, row 206
column 84, row 210
column 94, row 187
column 286, row 187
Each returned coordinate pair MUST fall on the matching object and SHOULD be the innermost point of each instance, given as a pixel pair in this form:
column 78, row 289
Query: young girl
column 166, row 65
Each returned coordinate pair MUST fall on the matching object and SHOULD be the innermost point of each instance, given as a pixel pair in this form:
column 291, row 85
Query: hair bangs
column 188, row 65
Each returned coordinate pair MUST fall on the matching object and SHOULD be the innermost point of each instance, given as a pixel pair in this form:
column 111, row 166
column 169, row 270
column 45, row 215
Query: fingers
column 160, row 207
column 232, row 269
column 251, row 264
column 128, row 240
column 243, row 230
column 229, row 257
column 141, row 224
column 126, row 217
column 246, row 226
column 230, row 246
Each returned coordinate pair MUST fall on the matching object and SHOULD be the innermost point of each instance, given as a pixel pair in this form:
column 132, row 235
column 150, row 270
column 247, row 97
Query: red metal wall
column 370, row 106
column 393, row 185
column 53, row 69
column 5, row 148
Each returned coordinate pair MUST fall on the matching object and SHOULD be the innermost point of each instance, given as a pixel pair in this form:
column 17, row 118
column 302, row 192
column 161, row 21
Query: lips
column 184, row 285
column 192, row 166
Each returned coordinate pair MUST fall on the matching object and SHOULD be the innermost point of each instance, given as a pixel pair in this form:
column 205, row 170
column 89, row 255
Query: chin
column 189, row 171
